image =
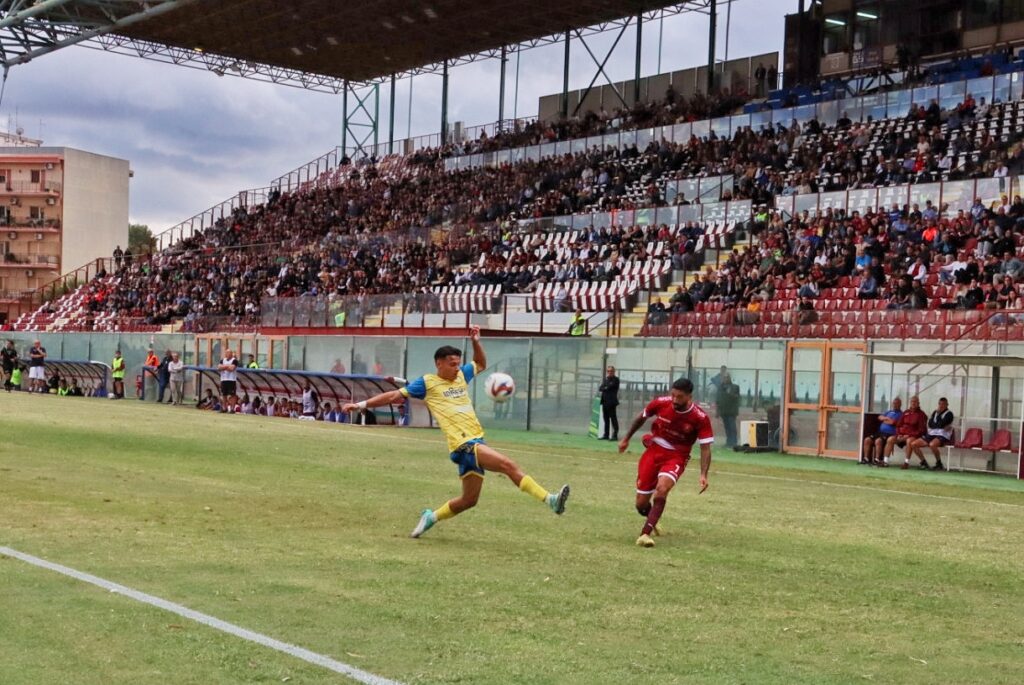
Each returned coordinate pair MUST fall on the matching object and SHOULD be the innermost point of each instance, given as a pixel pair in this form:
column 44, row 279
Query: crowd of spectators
column 671, row 109
column 355, row 238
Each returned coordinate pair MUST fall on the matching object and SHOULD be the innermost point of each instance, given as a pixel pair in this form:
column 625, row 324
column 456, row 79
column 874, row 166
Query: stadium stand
column 549, row 228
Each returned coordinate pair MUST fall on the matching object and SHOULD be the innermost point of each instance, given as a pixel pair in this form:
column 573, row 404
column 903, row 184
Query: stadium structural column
column 376, row 116
column 391, row 118
column 639, row 55
column 501, row 89
column 565, row 77
column 712, row 30
column 444, row 104
column 344, row 120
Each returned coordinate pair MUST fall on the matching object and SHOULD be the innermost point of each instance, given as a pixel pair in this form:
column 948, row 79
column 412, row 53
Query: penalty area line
column 205, row 619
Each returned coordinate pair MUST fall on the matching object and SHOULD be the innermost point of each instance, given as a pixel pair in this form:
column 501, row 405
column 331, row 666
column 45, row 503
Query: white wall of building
column 95, row 207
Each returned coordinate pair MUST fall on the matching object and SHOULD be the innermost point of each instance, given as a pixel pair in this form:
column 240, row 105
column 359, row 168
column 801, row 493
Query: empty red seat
column 972, row 439
column 1000, row 442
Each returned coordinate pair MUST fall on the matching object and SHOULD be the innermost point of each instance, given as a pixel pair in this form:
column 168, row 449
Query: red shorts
column 657, row 461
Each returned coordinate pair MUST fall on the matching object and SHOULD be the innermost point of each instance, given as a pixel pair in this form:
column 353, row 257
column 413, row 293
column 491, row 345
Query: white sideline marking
column 223, row 626
column 737, row 473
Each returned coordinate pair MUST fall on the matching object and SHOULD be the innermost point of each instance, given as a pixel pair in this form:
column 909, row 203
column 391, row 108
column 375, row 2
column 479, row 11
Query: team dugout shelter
column 985, row 392
column 89, row 375
column 337, row 389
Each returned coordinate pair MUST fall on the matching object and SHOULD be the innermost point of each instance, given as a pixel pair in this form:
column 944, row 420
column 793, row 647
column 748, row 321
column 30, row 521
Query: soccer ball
column 500, row 387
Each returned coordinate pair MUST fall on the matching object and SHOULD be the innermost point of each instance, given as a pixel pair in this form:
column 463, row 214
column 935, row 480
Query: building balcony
column 29, row 226
column 12, row 260
column 29, row 188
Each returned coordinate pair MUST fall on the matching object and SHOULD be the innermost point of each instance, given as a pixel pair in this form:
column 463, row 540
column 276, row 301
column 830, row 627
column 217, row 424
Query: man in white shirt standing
column 310, row 402
column 176, row 368
column 228, row 381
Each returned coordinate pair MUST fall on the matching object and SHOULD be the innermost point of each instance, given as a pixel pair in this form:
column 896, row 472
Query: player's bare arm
column 385, row 398
column 479, row 358
column 637, row 424
column 705, row 464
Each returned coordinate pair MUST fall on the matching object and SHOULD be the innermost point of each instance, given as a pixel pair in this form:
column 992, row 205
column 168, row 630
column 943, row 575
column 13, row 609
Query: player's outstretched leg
column 492, row 460
column 471, row 486
column 643, row 507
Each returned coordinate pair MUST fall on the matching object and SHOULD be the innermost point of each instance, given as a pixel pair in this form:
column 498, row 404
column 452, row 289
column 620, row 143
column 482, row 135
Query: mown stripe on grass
column 292, row 650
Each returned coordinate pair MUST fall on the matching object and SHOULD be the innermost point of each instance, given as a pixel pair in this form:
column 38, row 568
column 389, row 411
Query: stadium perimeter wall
column 562, row 374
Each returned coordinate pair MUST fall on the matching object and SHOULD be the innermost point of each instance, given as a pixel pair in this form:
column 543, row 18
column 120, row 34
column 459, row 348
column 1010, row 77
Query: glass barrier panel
column 701, row 129
column 451, row 164
column 547, row 150
column 488, row 159
column 738, row 122
column 645, row 217
column 951, row 94
column 602, row 220
column 1001, row 87
column 667, row 215
column 828, row 112
column 671, row 190
column 720, row 127
column 835, row 200
column 577, row 145
column 782, row 117
column 689, row 214
column 622, row 217
column 1016, row 85
column 710, row 189
column 921, row 193
column 853, row 108
column 611, row 140
column 992, row 191
column 643, row 138
column 681, row 132
column 533, row 153
column 595, row 142
column 503, row 157
column 714, row 213
column 760, row 121
column 477, row 161
column 689, row 188
column 893, row 195
column 785, row 205
column 981, row 88
column 874, row 106
column 739, row 212
column 898, row 103
column 562, row 223
column 808, row 203
column 627, row 139
column 562, row 148
column 582, row 221
column 924, row 95
column 957, row 196
column 804, row 113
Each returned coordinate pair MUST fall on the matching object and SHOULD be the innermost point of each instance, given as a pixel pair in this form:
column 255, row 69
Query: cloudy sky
column 194, row 139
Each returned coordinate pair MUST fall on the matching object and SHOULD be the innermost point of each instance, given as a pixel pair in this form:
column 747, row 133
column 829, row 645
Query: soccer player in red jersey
column 678, row 424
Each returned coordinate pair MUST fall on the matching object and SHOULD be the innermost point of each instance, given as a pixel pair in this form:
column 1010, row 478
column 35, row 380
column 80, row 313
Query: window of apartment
column 835, row 33
column 35, row 176
column 35, row 212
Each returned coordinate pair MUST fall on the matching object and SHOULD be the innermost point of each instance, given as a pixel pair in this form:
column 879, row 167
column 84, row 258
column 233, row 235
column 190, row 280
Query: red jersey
column 678, row 430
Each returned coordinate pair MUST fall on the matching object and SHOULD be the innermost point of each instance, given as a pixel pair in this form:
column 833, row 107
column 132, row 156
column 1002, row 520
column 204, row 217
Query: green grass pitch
column 788, row 570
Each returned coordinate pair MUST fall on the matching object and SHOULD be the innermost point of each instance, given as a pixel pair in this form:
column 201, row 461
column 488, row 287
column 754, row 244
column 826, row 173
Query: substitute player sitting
column 678, row 424
column 447, row 396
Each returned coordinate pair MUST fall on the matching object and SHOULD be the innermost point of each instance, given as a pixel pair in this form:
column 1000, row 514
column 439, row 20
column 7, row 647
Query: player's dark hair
column 447, row 351
column 683, row 384
column 943, row 399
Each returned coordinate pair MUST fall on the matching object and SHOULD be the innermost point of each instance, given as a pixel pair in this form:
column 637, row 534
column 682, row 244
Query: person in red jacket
column 912, row 425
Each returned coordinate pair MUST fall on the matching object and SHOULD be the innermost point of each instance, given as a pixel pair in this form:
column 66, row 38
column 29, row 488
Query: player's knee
column 643, row 509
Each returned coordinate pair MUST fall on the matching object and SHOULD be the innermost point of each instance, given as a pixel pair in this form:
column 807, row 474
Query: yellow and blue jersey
column 449, row 403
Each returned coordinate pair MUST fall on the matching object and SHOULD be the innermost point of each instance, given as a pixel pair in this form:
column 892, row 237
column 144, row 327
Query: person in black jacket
column 610, row 403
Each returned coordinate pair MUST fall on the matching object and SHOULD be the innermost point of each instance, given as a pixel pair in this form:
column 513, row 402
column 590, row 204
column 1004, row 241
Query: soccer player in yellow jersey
column 447, row 396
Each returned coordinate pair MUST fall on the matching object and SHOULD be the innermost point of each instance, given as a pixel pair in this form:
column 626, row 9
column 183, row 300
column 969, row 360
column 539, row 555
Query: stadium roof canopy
column 315, row 44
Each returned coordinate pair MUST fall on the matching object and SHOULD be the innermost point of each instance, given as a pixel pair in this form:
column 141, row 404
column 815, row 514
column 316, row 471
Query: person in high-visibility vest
column 62, row 389
column 339, row 320
column 578, row 326
column 117, row 370
column 252, row 362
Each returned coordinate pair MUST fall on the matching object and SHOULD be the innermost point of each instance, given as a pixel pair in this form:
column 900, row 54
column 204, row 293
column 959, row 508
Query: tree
column 140, row 239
